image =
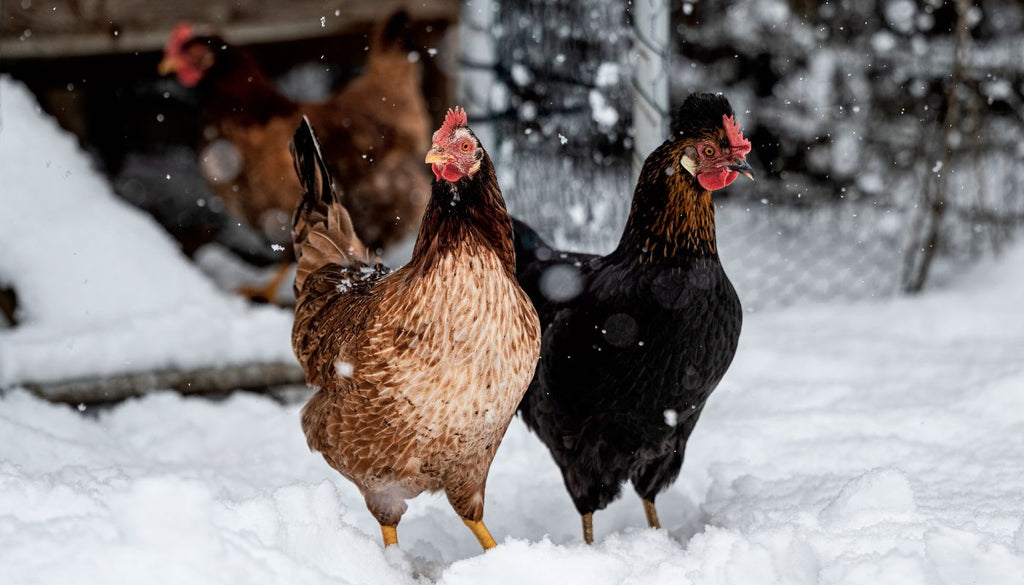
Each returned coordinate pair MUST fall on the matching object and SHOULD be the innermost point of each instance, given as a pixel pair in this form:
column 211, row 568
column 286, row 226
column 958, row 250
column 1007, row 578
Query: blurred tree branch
column 926, row 229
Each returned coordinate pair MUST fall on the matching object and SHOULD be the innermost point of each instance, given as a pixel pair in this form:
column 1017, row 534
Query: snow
column 101, row 288
column 854, row 443
column 900, row 15
column 607, row 74
column 520, row 74
column 602, row 112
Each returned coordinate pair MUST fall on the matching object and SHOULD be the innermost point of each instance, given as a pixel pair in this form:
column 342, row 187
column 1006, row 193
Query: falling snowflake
column 343, row 369
column 671, row 417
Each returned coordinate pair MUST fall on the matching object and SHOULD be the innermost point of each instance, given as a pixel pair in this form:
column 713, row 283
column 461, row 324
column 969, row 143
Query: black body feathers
column 310, row 166
column 634, row 342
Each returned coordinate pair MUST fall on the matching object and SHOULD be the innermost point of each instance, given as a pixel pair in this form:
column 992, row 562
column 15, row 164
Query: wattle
column 450, row 173
column 713, row 181
column 189, row 77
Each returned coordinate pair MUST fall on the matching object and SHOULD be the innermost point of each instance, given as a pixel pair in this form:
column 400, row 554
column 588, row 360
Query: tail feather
column 393, row 35
column 527, row 239
column 527, row 242
column 322, row 231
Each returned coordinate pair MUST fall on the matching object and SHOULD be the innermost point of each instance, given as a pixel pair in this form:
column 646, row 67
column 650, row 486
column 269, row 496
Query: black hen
column 634, row 342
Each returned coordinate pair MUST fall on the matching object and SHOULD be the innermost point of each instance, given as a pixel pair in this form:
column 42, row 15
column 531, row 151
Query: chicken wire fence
column 777, row 253
column 847, row 107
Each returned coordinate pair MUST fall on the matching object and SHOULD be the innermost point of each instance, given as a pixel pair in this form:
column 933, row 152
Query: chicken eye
column 708, row 150
column 465, row 146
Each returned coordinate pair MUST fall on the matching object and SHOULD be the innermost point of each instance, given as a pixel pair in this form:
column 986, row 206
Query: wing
column 336, row 305
column 554, row 280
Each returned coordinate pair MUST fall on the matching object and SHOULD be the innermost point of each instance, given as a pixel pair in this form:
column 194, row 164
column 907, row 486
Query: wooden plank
column 128, row 26
column 251, row 377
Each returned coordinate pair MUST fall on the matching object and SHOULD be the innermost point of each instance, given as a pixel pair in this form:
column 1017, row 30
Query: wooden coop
column 92, row 65
column 70, row 51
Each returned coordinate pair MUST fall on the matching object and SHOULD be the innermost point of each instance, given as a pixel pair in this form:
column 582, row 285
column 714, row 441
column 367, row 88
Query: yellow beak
column 167, row 66
column 437, row 156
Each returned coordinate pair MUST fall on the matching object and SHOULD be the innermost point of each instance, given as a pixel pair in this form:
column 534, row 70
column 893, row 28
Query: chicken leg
column 588, row 527
column 652, row 514
column 390, row 534
column 481, row 533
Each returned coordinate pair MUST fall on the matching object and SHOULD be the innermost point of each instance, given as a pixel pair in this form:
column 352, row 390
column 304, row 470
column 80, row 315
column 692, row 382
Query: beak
column 437, row 155
column 167, row 66
column 741, row 167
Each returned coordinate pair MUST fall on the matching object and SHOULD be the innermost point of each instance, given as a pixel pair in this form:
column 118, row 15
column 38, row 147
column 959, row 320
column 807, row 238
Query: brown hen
column 420, row 370
column 375, row 130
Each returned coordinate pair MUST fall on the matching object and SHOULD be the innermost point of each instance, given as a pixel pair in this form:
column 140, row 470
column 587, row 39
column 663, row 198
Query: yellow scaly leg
column 390, row 534
column 481, row 533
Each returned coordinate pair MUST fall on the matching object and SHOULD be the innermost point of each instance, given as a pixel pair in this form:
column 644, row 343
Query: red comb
column 180, row 34
column 455, row 118
column 740, row 145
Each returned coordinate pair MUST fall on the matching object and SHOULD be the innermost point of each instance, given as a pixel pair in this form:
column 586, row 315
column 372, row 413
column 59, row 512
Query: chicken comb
column 453, row 120
column 180, row 34
column 740, row 145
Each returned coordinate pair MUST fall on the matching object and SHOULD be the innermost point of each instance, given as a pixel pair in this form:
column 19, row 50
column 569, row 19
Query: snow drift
column 102, row 289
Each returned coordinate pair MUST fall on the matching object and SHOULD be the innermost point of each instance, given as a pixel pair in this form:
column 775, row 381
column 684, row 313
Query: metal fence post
column 651, row 25
column 477, row 85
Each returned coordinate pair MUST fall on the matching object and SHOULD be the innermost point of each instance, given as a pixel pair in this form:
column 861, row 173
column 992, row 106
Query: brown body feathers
column 419, row 370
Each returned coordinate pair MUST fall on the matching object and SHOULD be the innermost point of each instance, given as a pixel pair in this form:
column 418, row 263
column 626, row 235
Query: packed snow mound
column 883, row 495
column 101, row 288
column 852, row 444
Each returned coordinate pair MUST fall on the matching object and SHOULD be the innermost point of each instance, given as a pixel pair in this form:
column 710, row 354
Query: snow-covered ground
column 102, row 289
column 854, row 443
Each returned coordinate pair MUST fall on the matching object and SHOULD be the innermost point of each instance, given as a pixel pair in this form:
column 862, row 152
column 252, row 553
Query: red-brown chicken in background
column 419, row 371
column 375, row 130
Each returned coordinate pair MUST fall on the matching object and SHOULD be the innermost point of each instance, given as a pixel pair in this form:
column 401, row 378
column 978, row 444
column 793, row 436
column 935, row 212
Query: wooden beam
column 251, row 377
column 120, row 31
